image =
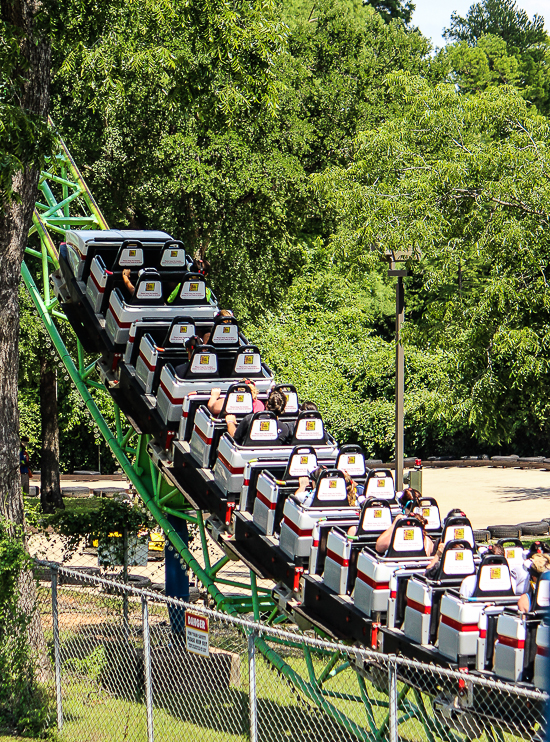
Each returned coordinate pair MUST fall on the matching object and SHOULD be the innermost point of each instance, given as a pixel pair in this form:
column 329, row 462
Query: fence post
column 56, row 650
column 392, row 693
column 252, row 701
column 147, row 667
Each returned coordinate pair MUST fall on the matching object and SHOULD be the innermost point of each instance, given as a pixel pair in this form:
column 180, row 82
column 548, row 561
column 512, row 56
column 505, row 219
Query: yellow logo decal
column 459, row 532
column 173, row 253
column 149, row 287
column 226, row 329
column 193, row 287
column 303, row 459
column 240, row 397
column 510, row 553
column 425, row 512
column 132, row 253
column 351, row 459
column 494, row 573
column 310, row 424
column 183, row 328
column 380, row 482
column 332, row 484
column 408, row 534
column 205, row 360
column 459, row 556
column 249, row 359
column 377, row 513
column 264, row 425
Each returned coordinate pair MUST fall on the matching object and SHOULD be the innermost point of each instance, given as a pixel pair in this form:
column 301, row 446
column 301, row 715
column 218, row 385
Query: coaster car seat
column 330, row 503
column 271, row 492
column 343, row 550
column 149, row 292
column 148, row 325
column 379, row 483
column 200, row 377
column 352, row 459
column 459, row 628
column 429, row 510
column 516, row 637
column 225, row 333
column 424, row 595
column 232, row 458
column 102, row 281
column 406, row 549
column 172, row 350
column 208, row 429
column 309, row 428
column 456, row 528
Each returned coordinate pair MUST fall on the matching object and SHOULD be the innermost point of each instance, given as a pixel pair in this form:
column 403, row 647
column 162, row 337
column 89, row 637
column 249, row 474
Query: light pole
column 395, row 257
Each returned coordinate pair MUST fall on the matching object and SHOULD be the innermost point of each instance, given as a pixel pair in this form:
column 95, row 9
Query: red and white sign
column 196, row 633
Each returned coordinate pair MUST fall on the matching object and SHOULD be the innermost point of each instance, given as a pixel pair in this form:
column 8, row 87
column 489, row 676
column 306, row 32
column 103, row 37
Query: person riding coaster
column 409, row 500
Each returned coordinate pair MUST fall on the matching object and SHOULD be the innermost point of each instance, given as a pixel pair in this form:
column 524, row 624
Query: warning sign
column 196, row 633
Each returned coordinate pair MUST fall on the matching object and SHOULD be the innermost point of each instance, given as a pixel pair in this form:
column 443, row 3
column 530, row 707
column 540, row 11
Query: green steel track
column 67, row 203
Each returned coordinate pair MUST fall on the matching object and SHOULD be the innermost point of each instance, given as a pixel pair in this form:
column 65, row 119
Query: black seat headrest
column 191, row 290
column 407, row 540
column 458, row 527
column 263, row 430
column 172, row 256
column 351, row 459
column 457, row 561
column 375, row 516
column 248, row 362
column 493, row 578
column 181, row 329
column 309, row 428
column 379, row 483
column 148, row 290
column 130, row 255
column 225, row 332
column 238, row 401
column 204, row 363
column 301, row 462
column 330, row 491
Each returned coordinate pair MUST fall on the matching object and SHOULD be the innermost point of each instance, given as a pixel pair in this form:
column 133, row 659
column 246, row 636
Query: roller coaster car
column 271, row 493
column 302, row 530
column 133, row 257
column 423, row 595
column 208, row 429
column 513, row 551
column 351, row 459
column 173, row 389
column 515, row 648
column 262, row 445
column 343, row 550
column 406, row 550
column 459, row 627
column 150, row 292
column 170, row 350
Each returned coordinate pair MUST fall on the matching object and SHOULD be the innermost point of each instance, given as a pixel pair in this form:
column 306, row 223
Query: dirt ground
column 490, row 496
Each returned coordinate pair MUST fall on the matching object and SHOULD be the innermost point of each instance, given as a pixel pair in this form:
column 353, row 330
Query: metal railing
column 126, row 668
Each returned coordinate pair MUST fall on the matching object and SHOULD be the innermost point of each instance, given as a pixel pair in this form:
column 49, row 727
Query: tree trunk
column 50, row 489
column 15, row 221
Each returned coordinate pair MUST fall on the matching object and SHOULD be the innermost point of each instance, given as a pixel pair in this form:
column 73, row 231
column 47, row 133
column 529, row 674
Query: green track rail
column 67, row 203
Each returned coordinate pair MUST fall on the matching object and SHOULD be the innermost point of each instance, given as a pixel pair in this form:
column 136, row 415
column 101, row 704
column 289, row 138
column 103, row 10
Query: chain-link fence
column 130, row 664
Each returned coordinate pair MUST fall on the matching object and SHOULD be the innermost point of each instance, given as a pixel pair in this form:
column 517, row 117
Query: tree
column 500, row 18
column 464, row 181
column 390, row 10
column 526, row 60
column 24, row 139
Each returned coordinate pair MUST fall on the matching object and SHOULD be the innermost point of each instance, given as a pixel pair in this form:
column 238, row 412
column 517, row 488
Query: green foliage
column 24, row 137
column 24, row 705
column 109, row 517
column 390, row 10
column 523, row 59
column 463, row 181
